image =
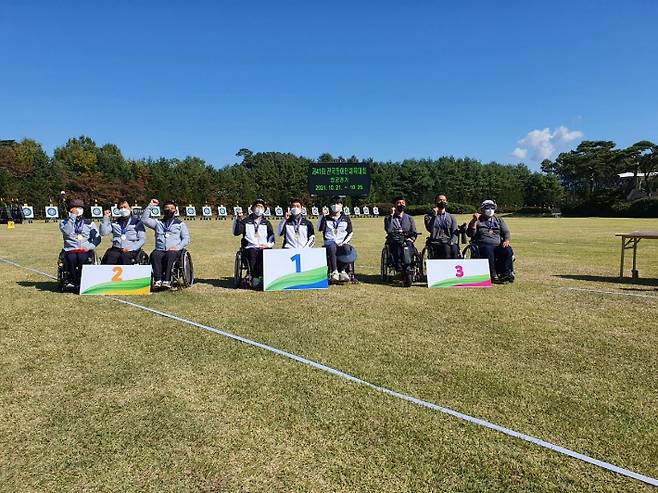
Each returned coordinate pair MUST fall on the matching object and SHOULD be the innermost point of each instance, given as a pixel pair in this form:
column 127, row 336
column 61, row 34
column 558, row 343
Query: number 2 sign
column 115, row 279
column 462, row 273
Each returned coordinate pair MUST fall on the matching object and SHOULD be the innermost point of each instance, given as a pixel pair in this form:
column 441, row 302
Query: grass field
column 98, row 396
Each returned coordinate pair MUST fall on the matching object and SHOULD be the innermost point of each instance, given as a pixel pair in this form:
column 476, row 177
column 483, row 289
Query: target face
column 267, row 212
column 278, row 211
column 366, row 211
column 190, row 211
column 28, row 212
column 237, row 210
column 96, row 211
column 115, row 212
column 52, row 213
column 325, row 210
column 206, row 211
column 315, row 211
column 222, row 211
column 155, row 211
column 346, row 210
column 357, row 211
column 375, row 211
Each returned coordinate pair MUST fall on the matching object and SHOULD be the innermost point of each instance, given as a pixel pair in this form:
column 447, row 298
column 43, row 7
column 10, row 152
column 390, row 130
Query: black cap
column 258, row 201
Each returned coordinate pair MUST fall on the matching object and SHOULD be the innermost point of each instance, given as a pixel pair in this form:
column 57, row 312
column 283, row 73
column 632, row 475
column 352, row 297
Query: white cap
column 486, row 203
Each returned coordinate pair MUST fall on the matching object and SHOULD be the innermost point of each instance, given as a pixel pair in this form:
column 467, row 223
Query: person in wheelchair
column 297, row 231
column 400, row 232
column 128, row 236
column 257, row 235
column 171, row 237
column 443, row 242
column 336, row 228
column 81, row 237
column 491, row 238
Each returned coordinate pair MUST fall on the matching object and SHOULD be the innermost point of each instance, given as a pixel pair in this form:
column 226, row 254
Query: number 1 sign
column 115, row 279
column 287, row 269
column 462, row 273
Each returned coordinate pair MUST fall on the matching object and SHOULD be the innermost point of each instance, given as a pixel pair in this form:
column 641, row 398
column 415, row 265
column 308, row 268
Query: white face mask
column 489, row 212
column 124, row 212
column 258, row 211
column 295, row 211
column 77, row 212
column 336, row 207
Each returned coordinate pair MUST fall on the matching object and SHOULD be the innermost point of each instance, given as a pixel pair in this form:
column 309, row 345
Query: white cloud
column 520, row 153
column 544, row 144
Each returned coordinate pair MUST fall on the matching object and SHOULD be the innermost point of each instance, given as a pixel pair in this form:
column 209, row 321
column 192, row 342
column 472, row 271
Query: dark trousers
column 74, row 263
column 500, row 259
column 444, row 250
column 397, row 253
column 333, row 251
column 255, row 261
column 162, row 262
column 115, row 256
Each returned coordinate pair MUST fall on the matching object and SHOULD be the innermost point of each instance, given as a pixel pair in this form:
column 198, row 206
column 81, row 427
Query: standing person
column 171, row 236
column 400, row 232
column 492, row 237
column 257, row 235
column 128, row 236
column 443, row 229
column 336, row 228
column 81, row 238
column 297, row 231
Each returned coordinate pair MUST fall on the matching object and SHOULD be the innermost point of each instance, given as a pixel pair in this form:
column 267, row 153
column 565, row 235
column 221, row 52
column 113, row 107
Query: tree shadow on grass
column 627, row 281
column 224, row 282
column 51, row 286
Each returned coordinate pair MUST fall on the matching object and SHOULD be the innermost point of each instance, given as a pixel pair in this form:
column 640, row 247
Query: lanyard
column 167, row 227
column 78, row 226
column 124, row 228
column 336, row 223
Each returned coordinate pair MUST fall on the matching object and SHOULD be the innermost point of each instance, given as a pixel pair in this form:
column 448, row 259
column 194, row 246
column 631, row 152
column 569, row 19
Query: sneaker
column 334, row 277
column 256, row 282
column 69, row 285
column 157, row 284
column 166, row 284
column 343, row 276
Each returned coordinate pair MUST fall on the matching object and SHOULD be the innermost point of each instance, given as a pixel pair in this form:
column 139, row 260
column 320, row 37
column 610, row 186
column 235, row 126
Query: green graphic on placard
column 300, row 280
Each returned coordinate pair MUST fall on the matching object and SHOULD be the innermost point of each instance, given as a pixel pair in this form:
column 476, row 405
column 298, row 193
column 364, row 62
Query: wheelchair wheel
column 142, row 258
column 470, row 251
column 186, row 269
column 384, row 268
column 62, row 273
column 237, row 270
column 420, row 265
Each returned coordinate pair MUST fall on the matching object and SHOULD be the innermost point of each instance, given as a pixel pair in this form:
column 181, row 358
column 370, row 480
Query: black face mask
column 168, row 214
column 441, row 205
column 400, row 208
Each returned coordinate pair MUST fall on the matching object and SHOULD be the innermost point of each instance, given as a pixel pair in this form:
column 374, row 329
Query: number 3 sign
column 462, row 273
column 115, row 279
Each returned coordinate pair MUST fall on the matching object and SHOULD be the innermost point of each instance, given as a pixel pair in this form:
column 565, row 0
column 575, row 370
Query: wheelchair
column 241, row 271
column 62, row 271
column 428, row 250
column 471, row 251
column 142, row 258
column 412, row 269
column 182, row 271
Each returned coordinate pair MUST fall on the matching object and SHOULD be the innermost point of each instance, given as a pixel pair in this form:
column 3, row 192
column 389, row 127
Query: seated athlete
column 128, row 235
column 171, row 236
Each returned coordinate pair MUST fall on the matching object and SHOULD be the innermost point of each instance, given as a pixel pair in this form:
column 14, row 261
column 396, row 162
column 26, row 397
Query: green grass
column 98, row 396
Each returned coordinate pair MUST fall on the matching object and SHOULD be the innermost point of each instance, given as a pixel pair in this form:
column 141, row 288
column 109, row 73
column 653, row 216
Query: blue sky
column 388, row 80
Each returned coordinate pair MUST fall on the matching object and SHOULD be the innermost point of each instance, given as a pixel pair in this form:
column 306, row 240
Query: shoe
column 256, row 282
column 498, row 280
column 166, row 284
column 69, row 285
column 334, row 276
column 343, row 276
column 157, row 284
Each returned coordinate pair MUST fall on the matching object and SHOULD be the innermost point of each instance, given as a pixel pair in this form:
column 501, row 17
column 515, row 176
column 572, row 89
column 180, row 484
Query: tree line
column 102, row 174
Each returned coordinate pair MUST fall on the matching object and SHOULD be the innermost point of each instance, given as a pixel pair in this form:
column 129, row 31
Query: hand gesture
column 476, row 216
column 154, row 202
column 391, row 211
column 505, row 244
column 287, row 215
column 107, row 213
column 435, row 211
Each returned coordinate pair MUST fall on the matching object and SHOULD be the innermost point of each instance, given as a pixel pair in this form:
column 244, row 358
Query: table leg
column 634, row 272
column 621, row 266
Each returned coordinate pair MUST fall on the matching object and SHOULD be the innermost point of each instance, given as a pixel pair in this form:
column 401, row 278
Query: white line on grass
column 602, row 291
column 420, row 402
